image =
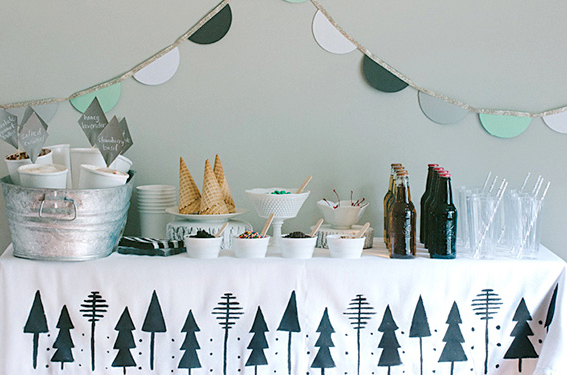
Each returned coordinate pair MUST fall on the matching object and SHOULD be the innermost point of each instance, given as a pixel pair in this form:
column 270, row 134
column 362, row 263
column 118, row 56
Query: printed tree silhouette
column 485, row 305
column 290, row 323
column 153, row 322
column 420, row 327
column 229, row 311
column 36, row 324
column 389, row 343
column 190, row 345
column 521, row 347
column 63, row 343
column 551, row 308
column 93, row 308
column 124, row 342
column 453, row 350
column 359, row 313
column 258, row 342
column 323, row 358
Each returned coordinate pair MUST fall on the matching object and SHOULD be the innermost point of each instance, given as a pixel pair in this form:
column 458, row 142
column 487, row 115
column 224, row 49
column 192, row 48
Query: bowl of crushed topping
column 298, row 245
column 202, row 245
column 345, row 246
column 250, row 244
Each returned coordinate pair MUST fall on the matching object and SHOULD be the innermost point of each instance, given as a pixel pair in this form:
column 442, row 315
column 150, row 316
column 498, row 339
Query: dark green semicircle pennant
column 380, row 78
column 214, row 29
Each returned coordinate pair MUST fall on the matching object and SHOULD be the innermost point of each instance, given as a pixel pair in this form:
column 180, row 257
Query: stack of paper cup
column 152, row 203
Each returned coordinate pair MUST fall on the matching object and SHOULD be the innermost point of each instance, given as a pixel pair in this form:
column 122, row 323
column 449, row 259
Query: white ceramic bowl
column 202, row 248
column 250, row 247
column 298, row 248
column 346, row 248
column 13, row 165
column 342, row 217
column 47, row 176
column 95, row 177
column 281, row 205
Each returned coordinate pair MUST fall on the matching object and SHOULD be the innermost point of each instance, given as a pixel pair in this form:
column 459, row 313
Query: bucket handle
column 65, row 199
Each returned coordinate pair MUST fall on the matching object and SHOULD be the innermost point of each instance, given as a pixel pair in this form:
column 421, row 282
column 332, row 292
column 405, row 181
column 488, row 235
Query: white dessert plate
column 209, row 218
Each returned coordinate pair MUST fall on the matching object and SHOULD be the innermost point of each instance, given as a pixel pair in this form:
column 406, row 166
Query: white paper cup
column 62, row 156
column 13, row 165
column 121, row 163
column 346, row 248
column 79, row 156
column 250, row 247
column 202, row 248
column 94, row 177
column 298, row 248
column 45, row 176
column 153, row 224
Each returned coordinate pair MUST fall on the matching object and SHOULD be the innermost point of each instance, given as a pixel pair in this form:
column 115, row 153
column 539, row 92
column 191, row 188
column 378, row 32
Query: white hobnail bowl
column 250, row 247
column 298, row 248
column 202, row 248
column 342, row 217
column 346, row 248
column 283, row 206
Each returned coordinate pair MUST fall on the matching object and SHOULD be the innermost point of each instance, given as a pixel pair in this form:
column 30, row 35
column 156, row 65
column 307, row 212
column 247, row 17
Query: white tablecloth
column 176, row 315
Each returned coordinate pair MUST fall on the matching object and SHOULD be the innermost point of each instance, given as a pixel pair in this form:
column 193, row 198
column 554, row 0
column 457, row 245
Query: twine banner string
column 318, row 6
column 414, row 85
column 130, row 72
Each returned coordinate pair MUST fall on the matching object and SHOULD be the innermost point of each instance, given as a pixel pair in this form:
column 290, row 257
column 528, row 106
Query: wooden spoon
column 317, row 226
column 221, row 230
column 303, row 186
column 362, row 231
column 267, row 225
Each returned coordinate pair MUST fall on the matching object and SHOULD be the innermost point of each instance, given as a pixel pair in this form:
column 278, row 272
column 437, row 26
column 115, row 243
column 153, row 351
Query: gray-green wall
column 278, row 108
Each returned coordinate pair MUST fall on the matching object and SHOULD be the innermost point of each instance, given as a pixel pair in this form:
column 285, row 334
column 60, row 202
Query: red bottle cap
column 446, row 174
column 432, row 165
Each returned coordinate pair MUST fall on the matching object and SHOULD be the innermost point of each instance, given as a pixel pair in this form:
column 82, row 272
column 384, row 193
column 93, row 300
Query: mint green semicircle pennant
column 504, row 126
column 108, row 97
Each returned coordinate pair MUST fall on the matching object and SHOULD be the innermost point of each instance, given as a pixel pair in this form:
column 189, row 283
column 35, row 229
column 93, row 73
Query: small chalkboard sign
column 8, row 127
column 126, row 134
column 110, row 141
column 93, row 121
column 27, row 113
column 33, row 136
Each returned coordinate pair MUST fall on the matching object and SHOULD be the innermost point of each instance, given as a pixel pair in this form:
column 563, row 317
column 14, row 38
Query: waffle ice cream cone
column 223, row 184
column 189, row 197
column 212, row 202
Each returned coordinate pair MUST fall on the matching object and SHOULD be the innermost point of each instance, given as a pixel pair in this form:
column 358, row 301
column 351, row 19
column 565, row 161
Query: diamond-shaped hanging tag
column 32, row 136
column 93, row 121
column 28, row 112
column 110, row 141
column 126, row 134
column 9, row 127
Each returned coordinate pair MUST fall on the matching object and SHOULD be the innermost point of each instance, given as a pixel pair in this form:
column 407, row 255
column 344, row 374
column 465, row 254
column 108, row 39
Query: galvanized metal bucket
column 66, row 225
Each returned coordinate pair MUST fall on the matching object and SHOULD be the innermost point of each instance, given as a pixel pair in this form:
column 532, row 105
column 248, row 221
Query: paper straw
column 487, row 180
column 525, row 182
column 536, row 184
column 493, row 184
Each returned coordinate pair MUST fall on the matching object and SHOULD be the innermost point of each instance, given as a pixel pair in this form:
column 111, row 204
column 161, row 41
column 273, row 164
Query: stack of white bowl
column 152, row 203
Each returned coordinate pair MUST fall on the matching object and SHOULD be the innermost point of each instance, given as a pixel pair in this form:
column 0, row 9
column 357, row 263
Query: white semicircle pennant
column 439, row 110
column 557, row 122
column 45, row 111
column 161, row 70
column 328, row 37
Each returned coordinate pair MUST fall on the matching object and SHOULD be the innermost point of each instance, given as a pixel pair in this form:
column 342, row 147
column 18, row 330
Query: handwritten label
column 33, row 136
column 126, row 134
column 110, row 141
column 93, row 121
column 9, row 128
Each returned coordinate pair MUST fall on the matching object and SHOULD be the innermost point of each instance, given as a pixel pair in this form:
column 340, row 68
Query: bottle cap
column 439, row 170
column 445, row 174
column 402, row 172
column 395, row 164
column 432, row 165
